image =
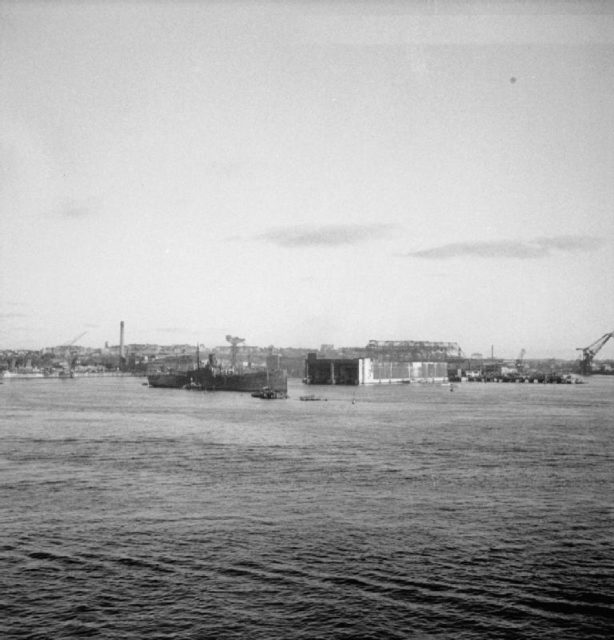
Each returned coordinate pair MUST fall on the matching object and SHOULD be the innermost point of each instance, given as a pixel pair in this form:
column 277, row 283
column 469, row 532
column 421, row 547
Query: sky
column 299, row 173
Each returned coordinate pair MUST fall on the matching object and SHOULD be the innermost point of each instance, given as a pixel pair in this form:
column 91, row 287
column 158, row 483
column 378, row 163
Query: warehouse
column 353, row 371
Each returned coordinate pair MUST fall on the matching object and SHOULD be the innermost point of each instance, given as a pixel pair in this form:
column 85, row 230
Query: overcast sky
column 307, row 172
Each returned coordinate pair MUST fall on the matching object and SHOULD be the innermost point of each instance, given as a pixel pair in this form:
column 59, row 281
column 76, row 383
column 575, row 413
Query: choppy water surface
column 384, row 512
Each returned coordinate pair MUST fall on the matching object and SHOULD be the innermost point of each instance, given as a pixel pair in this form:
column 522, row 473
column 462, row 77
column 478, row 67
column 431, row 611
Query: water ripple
column 481, row 514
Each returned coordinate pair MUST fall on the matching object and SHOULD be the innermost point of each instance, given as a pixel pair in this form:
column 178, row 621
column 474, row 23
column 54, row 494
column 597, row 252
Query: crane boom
column 70, row 344
column 67, row 351
column 588, row 353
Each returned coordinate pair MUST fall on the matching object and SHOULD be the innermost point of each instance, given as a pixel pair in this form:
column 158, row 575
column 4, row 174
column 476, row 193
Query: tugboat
column 311, row 397
column 266, row 393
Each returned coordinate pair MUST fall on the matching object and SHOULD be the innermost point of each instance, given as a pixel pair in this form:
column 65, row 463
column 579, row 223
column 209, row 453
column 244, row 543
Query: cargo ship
column 213, row 377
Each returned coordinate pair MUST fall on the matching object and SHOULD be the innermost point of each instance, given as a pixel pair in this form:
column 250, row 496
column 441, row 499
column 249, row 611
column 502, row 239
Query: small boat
column 266, row 393
column 311, row 397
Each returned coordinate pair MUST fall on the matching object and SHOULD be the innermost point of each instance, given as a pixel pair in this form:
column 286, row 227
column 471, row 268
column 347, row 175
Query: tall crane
column 67, row 346
column 588, row 353
column 234, row 341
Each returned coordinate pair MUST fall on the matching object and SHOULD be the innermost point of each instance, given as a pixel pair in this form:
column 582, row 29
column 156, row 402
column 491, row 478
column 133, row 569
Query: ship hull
column 168, row 380
column 249, row 381
column 209, row 380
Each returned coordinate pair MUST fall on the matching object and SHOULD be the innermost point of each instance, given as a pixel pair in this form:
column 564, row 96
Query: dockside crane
column 234, row 341
column 588, row 353
column 67, row 346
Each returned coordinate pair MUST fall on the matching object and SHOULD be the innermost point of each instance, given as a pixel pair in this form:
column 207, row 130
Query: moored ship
column 213, row 377
column 211, row 380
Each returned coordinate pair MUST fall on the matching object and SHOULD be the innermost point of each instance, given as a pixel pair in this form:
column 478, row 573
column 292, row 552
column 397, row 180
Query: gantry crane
column 588, row 353
column 234, row 341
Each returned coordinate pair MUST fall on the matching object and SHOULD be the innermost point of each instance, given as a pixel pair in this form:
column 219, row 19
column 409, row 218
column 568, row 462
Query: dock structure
column 354, row 371
column 344, row 371
column 413, row 360
column 387, row 361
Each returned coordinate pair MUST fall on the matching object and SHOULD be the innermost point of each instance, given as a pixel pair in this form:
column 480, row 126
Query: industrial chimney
column 121, row 345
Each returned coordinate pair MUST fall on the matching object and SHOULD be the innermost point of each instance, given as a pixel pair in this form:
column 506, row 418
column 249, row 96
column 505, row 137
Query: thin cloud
column 76, row 209
column 12, row 315
column 226, row 169
column 326, row 235
column 531, row 249
column 571, row 243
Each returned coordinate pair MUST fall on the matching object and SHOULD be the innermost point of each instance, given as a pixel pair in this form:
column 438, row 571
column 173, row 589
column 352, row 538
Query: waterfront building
column 354, row 371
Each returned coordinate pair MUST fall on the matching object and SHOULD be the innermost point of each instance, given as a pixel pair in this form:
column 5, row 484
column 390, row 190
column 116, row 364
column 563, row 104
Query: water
column 384, row 512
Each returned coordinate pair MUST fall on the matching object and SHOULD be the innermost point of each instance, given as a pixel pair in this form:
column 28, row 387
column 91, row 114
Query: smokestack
column 121, row 341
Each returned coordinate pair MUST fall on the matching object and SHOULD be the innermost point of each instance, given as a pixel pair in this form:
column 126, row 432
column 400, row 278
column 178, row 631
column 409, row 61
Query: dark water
column 129, row 512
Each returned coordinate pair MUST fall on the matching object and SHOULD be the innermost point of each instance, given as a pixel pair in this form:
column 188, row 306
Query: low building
column 395, row 372
column 354, row 371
